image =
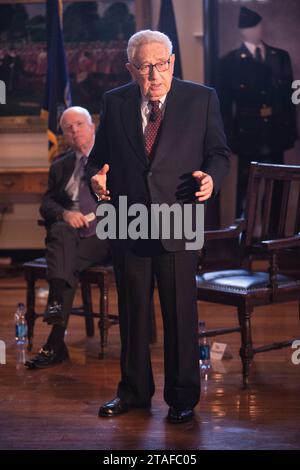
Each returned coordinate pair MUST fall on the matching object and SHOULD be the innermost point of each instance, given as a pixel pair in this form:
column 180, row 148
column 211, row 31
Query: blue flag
column 58, row 95
column 167, row 25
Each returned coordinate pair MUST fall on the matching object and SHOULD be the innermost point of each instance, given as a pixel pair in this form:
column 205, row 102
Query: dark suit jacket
column 191, row 138
column 55, row 200
column 246, row 86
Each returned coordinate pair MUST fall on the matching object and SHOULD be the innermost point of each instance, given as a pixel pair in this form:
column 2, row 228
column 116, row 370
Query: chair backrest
column 272, row 203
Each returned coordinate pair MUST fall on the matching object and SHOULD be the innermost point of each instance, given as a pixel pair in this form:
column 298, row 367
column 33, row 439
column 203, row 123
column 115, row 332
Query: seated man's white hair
column 147, row 36
column 77, row 109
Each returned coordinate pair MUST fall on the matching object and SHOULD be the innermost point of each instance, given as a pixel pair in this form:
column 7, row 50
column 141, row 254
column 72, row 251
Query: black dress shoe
column 53, row 314
column 117, row 406
column 114, row 407
column 46, row 359
column 177, row 416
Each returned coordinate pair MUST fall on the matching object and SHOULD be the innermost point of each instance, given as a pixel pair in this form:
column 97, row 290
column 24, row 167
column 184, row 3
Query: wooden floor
column 57, row 408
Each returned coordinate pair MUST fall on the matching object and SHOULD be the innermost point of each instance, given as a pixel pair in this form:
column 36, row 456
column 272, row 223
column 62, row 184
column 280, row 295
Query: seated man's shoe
column 54, row 315
column 177, row 416
column 45, row 358
column 112, row 408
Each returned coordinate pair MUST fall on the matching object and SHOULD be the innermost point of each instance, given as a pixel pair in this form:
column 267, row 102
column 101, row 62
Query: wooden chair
column 101, row 276
column 265, row 233
column 98, row 275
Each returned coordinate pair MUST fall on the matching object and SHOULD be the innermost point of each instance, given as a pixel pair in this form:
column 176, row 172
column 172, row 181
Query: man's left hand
column 206, row 185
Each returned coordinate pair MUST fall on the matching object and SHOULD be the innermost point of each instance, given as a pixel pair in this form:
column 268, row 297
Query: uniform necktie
column 152, row 127
column 87, row 203
column 258, row 55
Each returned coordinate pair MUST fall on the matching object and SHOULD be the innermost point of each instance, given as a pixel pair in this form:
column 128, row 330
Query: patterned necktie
column 258, row 55
column 152, row 127
column 87, row 203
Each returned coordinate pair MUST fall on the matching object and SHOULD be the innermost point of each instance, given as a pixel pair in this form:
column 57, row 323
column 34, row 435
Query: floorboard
column 57, row 408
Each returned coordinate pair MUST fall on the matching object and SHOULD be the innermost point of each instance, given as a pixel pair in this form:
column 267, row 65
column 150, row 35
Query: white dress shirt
column 252, row 48
column 72, row 186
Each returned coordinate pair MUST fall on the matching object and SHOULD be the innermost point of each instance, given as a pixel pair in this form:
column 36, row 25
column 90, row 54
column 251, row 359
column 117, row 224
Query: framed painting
column 95, row 37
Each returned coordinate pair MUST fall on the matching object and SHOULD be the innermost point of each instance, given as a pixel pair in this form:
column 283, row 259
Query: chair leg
column 246, row 350
column 87, row 307
column 30, row 308
column 103, row 321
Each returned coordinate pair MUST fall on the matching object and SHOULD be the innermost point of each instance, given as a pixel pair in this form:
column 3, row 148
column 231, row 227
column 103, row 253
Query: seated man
column 68, row 208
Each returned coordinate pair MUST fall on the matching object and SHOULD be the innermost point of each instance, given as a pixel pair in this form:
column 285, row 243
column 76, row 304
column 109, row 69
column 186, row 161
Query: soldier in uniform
column 255, row 93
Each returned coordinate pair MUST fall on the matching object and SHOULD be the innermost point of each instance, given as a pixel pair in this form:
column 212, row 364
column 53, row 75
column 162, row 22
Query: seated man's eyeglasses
column 146, row 69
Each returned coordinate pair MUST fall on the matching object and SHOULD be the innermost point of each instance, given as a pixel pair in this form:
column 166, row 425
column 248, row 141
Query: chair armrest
column 282, row 243
column 230, row 232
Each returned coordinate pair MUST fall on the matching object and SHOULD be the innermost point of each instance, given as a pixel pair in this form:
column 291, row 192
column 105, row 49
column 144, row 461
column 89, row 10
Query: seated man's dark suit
column 67, row 252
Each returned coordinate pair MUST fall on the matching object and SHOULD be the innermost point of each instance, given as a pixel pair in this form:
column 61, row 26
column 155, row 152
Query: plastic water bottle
column 20, row 325
column 20, row 356
column 204, row 350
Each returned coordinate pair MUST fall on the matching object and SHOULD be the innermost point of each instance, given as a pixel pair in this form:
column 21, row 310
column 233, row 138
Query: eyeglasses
column 146, row 69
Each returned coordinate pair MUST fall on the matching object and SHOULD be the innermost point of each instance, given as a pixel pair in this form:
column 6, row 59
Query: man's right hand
column 98, row 183
column 75, row 219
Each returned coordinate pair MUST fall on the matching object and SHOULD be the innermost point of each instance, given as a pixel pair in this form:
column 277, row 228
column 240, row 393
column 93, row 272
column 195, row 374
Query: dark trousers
column 67, row 256
column 135, row 271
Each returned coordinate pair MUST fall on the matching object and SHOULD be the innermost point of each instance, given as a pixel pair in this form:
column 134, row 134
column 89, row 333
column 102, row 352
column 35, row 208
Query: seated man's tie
column 87, row 202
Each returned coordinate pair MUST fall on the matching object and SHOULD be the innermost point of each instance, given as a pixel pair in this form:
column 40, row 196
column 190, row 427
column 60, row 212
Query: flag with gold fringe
column 57, row 94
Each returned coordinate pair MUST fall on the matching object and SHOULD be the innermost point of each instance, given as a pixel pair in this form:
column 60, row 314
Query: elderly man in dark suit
column 255, row 88
column 68, row 208
column 160, row 140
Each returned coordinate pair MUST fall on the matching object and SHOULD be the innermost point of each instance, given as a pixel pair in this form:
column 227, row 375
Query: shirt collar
column 251, row 47
column 145, row 101
column 80, row 154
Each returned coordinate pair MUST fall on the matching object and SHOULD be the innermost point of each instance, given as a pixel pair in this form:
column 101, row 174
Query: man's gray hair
column 77, row 109
column 147, row 36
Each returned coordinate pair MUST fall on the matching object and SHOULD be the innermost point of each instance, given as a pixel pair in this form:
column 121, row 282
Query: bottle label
column 21, row 331
column 204, row 352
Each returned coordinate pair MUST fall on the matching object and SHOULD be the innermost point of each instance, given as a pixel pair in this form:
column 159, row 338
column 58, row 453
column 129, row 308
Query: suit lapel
column 244, row 53
column 172, row 122
column 271, row 57
column 67, row 168
column 132, row 122
column 171, row 125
